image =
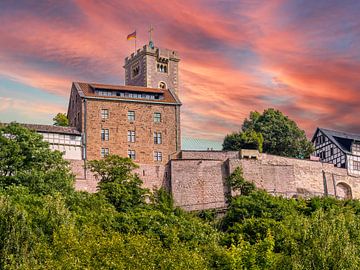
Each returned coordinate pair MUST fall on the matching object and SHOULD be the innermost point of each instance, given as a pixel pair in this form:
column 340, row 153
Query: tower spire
column 151, row 43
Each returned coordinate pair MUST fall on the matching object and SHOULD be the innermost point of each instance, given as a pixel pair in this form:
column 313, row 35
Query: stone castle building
column 141, row 120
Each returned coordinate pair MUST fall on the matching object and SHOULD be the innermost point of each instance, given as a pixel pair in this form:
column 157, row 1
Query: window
column 135, row 70
column 157, row 117
column 162, row 67
column 104, row 152
column 157, row 156
column 104, row 114
column 131, row 115
column 356, row 165
column 104, row 134
column 157, row 137
column 131, row 136
column 162, row 85
column 131, row 154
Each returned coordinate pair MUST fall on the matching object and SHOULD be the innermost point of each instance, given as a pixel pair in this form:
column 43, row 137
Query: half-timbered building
column 340, row 148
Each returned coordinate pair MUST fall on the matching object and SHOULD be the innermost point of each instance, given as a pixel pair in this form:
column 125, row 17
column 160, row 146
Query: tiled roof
column 339, row 138
column 196, row 144
column 88, row 91
column 52, row 129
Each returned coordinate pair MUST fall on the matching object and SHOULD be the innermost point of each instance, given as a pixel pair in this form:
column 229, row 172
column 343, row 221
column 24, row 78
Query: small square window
column 104, row 114
column 157, row 156
column 356, row 165
column 157, row 117
column 104, row 134
column 131, row 154
column 131, row 116
column 157, row 138
column 104, row 152
column 131, row 136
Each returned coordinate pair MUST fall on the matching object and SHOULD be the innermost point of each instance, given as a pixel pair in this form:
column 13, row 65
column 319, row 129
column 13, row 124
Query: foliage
column 237, row 182
column 26, row 160
column 281, row 135
column 118, row 183
column 61, row 120
column 248, row 139
column 116, row 229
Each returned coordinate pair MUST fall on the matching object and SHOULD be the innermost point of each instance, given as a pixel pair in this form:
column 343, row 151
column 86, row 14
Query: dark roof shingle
column 52, row 129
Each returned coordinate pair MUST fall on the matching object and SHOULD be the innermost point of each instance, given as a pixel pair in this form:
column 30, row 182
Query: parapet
column 155, row 51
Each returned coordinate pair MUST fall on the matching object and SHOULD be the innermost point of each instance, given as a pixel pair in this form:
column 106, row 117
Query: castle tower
column 153, row 67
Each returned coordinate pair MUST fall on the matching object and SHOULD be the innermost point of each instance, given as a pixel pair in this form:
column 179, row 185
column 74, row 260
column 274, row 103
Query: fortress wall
column 153, row 176
column 198, row 184
column 215, row 155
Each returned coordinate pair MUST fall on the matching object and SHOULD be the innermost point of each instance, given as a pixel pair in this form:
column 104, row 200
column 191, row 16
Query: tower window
column 162, row 67
column 135, row 70
column 162, row 85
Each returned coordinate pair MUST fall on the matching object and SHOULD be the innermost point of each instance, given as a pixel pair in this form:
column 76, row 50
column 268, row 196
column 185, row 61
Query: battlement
column 159, row 53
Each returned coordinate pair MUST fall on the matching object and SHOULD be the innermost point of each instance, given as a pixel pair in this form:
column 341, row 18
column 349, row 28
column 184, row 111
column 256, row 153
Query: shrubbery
column 48, row 228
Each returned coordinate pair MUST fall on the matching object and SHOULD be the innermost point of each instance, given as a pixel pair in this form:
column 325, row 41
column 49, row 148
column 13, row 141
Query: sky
column 301, row 57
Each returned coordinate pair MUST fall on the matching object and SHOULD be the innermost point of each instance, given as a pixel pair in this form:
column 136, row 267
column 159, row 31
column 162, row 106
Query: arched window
column 162, row 85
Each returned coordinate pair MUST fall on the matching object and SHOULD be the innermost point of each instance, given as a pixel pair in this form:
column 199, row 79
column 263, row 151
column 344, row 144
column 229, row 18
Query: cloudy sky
column 302, row 57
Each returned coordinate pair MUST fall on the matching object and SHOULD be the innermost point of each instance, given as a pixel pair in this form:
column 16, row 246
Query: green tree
column 248, row 139
column 61, row 120
column 26, row 160
column 281, row 135
column 237, row 182
column 118, row 183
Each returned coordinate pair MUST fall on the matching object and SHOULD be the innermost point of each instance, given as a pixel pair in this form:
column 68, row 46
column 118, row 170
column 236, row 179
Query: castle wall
column 198, row 180
column 144, row 127
column 198, row 184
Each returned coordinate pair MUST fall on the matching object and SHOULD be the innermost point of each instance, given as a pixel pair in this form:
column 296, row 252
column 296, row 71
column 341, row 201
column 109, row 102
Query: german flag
column 131, row 36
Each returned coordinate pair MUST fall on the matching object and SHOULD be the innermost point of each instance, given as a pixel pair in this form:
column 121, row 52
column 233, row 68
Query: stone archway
column 343, row 191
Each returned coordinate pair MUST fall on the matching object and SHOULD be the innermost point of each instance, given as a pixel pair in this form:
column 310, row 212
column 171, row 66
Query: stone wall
column 153, row 176
column 144, row 127
column 198, row 184
column 198, row 181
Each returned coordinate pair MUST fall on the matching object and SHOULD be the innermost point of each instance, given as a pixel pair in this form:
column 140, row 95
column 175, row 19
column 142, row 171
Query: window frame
column 105, row 134
column 131, row 136
column 157, row 138
column 104, row 116
column 104, row 151
column 131, row 154
column 157, row 156
column 131, row 116
column 157, row 119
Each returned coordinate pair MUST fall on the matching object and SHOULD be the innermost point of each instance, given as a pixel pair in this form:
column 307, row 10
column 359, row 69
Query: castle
column 141, row 120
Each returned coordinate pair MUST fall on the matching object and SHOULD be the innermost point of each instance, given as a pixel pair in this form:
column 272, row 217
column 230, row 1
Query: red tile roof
column 89, row 91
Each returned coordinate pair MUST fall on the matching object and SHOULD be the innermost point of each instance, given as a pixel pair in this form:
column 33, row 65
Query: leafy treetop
column 281, row 135
column 61, row 120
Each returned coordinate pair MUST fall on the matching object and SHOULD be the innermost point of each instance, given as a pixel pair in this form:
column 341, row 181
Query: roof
column 52, row 129
column 340, row 138
column 88, row 90
column 197, row 144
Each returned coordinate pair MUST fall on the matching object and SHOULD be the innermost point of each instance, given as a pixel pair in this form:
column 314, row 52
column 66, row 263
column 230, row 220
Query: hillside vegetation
column 45, row 224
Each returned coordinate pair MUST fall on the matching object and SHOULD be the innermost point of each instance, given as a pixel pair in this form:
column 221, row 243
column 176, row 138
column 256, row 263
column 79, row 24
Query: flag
column 131, row 36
